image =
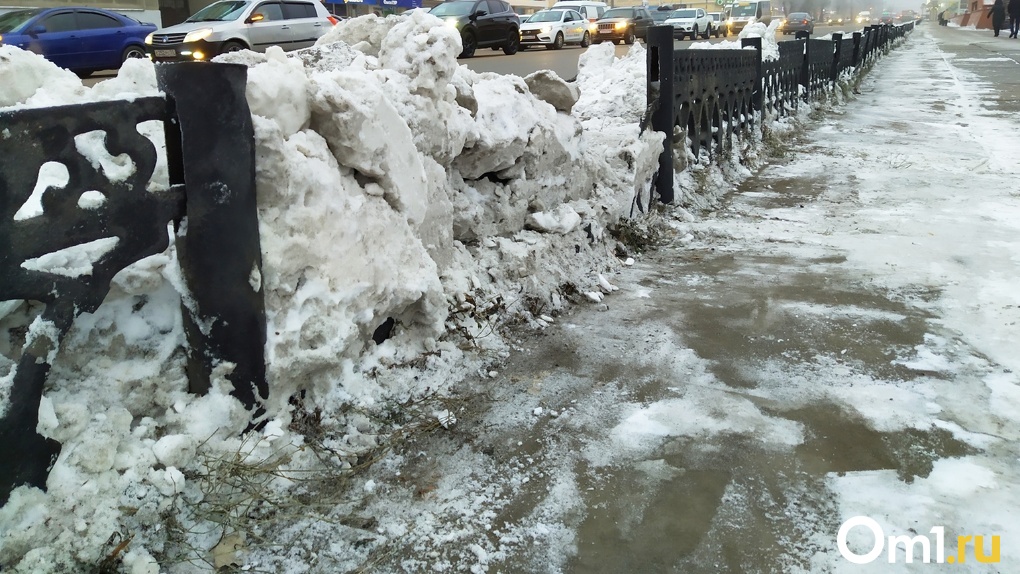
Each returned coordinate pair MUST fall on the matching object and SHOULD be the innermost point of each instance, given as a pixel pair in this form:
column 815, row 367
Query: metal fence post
column 857, row 49
column 759, row 89
column 837, row 56
column 219, row 250
column 805, row 69
column 661, row 87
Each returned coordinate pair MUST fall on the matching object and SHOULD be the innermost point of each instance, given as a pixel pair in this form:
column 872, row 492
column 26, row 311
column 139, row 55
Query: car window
column 453, row 9
column 295, row 10
column 219, row 12
column 95, row 20
column 62, row 22
column 688, row 13
column 13, row 20
column 575, row 15
column 744, row 10
column 543, row 16
column 270, row 11
column 799, row 16
column 494, row 7
column 619, row 13
column 505, row 6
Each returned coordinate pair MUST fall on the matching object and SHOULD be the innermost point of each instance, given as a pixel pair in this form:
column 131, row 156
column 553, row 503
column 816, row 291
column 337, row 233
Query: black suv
column 482, row 24
column 625, row 24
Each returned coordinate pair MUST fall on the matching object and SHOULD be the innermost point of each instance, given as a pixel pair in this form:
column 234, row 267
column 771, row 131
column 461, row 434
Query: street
column 524, row 62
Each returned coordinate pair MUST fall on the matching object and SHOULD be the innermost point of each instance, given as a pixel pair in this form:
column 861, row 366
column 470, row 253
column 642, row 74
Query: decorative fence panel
column 211, row 165
column 710, row 96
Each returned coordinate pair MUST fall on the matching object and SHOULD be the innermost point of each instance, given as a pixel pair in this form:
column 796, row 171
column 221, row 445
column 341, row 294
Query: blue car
column 83, row 40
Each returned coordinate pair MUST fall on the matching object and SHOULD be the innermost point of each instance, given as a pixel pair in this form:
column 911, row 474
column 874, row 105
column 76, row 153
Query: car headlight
column 546, row 29
column 452, row 22
column 148, row 39
column 196, row 35
column 620, row 25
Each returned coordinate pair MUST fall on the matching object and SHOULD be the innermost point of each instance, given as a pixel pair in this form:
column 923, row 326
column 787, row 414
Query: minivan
column 590, row 10
column 741, row 13
column 232, row 25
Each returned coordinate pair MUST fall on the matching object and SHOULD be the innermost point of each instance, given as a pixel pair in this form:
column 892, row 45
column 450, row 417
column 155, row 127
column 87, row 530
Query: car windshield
column 619, row 13
column 716, row 16
column 13, row 20
column 660, row 15
column 744, row 10
column 452, row 9
column 219, row 12
column 684, row 14
column 547, row 16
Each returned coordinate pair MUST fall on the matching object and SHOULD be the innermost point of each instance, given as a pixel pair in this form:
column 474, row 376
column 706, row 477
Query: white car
column 691, row 22
column 554, row 28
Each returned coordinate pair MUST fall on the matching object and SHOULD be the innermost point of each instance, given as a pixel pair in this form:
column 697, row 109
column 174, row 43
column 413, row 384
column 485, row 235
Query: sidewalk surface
column 995, row 60
column 838, row 339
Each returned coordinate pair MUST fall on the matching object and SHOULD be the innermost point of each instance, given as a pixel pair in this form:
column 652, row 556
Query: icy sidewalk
column 833, row 342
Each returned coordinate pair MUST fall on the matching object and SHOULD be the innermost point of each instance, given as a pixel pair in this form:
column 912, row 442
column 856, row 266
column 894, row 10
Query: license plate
column 527, row 33
column 165, row 53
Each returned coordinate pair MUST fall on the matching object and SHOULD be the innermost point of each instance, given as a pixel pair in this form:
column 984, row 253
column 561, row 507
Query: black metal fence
column 211, row 201
column 706, row 97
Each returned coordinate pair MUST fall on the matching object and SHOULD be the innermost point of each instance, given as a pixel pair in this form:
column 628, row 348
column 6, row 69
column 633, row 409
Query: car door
column 268, row 27
column 504, row 15
column 305, row 24
column 643, row 20
column 575, row 26
column 55, row 37
column 102, row 38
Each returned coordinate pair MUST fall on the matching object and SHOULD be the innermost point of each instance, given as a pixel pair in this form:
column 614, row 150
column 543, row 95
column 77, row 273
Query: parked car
column 661, row 13
column 798, row 22
column 554, row 28
column 83, row 40
column 482, row 24
column 624, row 24
column 233, row 25
column 690, row 22
column 720, row 26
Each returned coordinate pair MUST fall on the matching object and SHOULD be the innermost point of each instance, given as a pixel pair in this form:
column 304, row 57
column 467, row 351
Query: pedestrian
column 998, row 12
column 1014, row 17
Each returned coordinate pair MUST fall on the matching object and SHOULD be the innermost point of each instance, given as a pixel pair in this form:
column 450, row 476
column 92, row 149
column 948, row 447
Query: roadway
column 563, row 62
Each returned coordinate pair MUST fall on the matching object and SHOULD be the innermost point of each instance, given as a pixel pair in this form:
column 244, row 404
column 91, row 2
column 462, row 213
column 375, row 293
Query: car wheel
column 132, row 53
column 83, row 73
column 470, row 43
column 513, row 42
column 630, row 37
column 694, row 33
column 232, row 47
column 585, row 40
column 708, row 32
column 558, row 42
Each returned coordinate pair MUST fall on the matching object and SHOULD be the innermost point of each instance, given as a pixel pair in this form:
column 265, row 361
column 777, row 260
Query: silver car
column 232, row 25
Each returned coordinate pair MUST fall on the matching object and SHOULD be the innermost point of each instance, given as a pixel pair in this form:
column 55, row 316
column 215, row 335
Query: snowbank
column 392, row 183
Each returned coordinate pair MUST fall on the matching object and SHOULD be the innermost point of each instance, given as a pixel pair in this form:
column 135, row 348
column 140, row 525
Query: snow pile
column 392, row 183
